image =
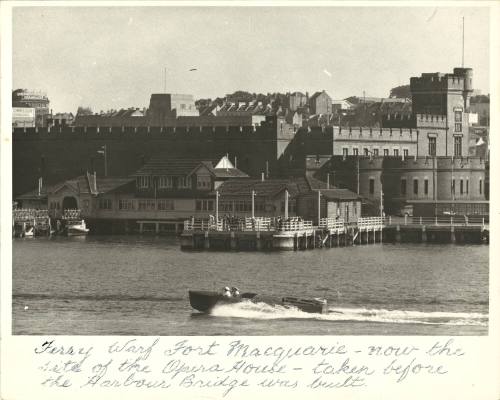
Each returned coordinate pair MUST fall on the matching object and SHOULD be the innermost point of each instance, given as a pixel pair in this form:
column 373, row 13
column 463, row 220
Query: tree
column 84, row 111
column 401, row 92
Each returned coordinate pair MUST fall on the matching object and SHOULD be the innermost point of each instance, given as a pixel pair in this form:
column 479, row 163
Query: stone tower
column 441, row 107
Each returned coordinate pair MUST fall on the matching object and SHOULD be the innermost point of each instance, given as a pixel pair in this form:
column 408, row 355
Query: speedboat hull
column 205, row 301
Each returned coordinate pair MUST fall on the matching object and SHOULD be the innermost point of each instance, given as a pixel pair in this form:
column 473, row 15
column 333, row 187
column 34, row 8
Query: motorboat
column 76, row 227
column 205, row 301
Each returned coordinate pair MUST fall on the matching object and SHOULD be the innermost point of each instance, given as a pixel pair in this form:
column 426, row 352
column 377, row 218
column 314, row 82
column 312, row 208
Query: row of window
column 415, row 186
column 465, row 189
column 464, row 186
column 168, row 182
column 141, row 204
column 457, row 146
column 374, row 152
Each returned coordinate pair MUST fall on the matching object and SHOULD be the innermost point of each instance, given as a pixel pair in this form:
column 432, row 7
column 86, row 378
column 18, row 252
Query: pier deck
column 297, row 234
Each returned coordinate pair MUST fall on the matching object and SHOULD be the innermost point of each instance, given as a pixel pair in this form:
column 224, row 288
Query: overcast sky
column 115, row 57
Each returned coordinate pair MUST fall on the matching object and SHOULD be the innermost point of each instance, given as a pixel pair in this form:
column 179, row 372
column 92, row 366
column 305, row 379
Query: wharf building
column 167, row 191
column 29, row 108
column 280, row 149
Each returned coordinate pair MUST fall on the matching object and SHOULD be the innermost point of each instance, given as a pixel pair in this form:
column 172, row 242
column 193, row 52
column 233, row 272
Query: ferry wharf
column 268, row 234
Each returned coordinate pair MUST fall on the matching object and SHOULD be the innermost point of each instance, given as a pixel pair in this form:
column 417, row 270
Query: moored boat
column 205, row 301
column 76, row 227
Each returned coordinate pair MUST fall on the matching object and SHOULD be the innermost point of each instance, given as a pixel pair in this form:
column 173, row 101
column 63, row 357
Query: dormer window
column 165, row 182
column 203, row 182
column 142, row 182
column 184, row 182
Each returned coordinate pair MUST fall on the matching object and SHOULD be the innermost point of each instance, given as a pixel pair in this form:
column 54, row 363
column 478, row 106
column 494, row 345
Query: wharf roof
column 81, row 185
column 339, row 194
column 177, row 166
column 266, row 188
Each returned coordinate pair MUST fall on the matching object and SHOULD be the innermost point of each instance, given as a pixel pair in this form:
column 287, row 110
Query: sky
column 115, row 57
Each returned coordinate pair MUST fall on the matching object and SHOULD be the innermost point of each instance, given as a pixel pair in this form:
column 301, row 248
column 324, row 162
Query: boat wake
column 264, row 311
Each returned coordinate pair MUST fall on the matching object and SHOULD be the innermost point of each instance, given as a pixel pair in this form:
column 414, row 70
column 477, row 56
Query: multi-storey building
column 29, row 99
column 320, row 103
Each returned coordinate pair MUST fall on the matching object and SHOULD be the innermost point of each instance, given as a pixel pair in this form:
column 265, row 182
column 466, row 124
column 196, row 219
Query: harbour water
column 138, row 285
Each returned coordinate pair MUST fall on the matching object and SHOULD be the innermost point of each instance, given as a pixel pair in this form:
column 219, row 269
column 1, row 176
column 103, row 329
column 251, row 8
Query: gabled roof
column 80, row 185
column 176, row 166
column 266, row 188
column 339, row 194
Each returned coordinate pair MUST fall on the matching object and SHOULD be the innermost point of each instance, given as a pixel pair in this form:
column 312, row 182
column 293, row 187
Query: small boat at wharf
column 205, row 301
column 76, row 227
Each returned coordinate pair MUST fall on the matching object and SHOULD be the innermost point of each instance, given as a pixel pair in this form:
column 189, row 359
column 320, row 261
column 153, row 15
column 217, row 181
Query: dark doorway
column 69, row 203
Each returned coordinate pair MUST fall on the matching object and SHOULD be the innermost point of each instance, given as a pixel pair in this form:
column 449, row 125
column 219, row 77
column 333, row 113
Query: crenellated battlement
column 437, row 82
column 431, row 120
column 243, row 132
column 367, row 163
column 375, row 134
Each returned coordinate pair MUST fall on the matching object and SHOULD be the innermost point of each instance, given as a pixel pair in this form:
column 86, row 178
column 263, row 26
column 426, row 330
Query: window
column 204, row 205
column 432, row 146
column 146, row 205
column 355, row 151
column 458, row 116
column 375, row 152
column 126, row 204
column 386, row 152
column 165, row 205
column 403, row 186
column 226, row 206
column 467, row 186
column 142, row 182
column 372, row 186
column 396, row 152
column 345, row 151
column 366, row 151
column 480, row 186
column 405, row 153
column 453, row 186
column 105, row 204
column 458, row 127
column 165, row 182
column 203, row 182
column 458, row 146
column 426, row 186
column 415, row 186
column 461, row 186
column 184, row 182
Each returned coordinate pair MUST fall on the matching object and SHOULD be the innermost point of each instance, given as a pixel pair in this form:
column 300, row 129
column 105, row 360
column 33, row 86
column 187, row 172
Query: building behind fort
column 427, row 158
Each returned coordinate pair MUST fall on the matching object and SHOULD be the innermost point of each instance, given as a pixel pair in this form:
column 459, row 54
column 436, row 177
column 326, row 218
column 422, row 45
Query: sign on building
column 23, row 116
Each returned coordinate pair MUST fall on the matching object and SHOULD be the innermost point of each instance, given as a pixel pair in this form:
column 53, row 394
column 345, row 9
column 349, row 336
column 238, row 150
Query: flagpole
column 105, row 161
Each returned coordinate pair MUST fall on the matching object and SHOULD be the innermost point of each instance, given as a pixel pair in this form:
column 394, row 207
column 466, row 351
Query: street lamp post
column 319, row 205
column 216, row 208
column 253, row 204
column 104, row 152
column 286, row 204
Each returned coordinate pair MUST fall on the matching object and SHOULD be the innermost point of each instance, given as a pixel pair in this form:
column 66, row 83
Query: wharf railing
column 200, row 224
column 456, row 220
column 72, row 214
column 258, row 224
column 367, row 223
column 294, row 225
column 332, row 224
column 29, row 215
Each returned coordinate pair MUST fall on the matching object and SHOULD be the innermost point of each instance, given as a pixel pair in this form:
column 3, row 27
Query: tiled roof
column 339, row 194
column 177, row 166
column 266, row 188
column 229, row 173
column 80, row 185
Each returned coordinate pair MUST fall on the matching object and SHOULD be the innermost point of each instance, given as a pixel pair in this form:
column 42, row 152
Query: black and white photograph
column 250, row 171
